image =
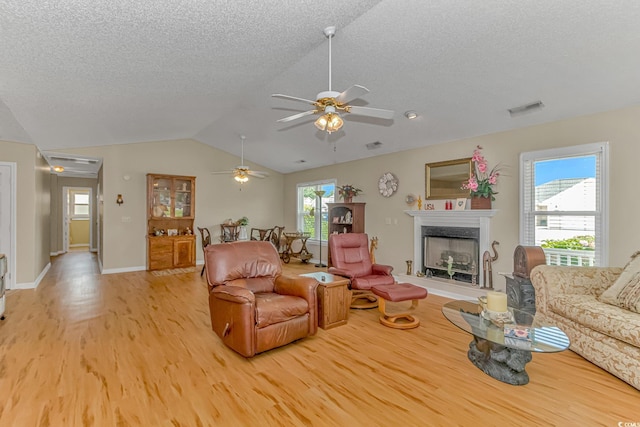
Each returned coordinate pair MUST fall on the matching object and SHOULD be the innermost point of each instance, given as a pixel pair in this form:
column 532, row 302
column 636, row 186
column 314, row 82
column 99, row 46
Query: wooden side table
column 334, row 299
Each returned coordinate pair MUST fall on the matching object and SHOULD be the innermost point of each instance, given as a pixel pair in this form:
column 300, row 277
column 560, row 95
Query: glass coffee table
column 498, row 355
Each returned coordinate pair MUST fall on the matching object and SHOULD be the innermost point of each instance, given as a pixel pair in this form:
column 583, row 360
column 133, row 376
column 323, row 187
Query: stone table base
column 500, row 362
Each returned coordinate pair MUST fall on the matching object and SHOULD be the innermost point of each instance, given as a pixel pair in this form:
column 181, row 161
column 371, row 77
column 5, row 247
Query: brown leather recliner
column 350, row 258
column 254, row 307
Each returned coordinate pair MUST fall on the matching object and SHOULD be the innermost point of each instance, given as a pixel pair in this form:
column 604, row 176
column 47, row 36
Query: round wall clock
column 387, row 184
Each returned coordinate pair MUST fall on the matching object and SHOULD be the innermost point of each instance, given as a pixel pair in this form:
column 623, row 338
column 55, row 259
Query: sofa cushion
column 586, row 311
column 274, row 308
column 625, row 292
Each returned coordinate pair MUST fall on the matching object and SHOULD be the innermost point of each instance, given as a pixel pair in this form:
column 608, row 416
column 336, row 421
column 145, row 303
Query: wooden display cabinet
column 170, row 215
column 345, row 218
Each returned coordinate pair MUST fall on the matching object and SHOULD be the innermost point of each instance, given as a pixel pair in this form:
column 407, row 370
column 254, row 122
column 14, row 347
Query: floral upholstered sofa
column 605, row 333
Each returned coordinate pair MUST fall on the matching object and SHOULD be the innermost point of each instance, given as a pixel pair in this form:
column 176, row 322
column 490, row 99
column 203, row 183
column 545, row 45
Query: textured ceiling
column 99, row 72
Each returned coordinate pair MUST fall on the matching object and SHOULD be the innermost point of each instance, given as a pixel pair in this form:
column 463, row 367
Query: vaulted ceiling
column 79, row 73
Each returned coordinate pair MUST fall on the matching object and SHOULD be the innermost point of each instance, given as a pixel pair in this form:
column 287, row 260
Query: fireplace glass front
column 451, row 253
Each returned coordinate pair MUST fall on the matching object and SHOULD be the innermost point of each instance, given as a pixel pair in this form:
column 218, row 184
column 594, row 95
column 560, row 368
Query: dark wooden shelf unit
column 171, row 205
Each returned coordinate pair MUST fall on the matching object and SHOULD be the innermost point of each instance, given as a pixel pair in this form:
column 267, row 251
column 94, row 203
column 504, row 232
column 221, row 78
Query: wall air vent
column 374, row 145
column 524, row 109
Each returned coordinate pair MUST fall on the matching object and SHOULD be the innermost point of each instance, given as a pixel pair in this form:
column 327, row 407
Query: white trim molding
column 477, row 218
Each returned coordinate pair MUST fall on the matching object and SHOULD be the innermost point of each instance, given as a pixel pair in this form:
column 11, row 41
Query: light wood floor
column 137, row 350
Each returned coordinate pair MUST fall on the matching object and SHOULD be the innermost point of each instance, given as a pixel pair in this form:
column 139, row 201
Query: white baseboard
column 122, row 270
column 34, row 285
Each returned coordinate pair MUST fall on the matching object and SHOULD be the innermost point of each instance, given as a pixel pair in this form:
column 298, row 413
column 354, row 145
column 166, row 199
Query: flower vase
column 348, row 199
column 242, row 233
column 480, row 202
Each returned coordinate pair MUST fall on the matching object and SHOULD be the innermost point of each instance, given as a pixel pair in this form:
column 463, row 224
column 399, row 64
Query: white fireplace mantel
column 479, row 218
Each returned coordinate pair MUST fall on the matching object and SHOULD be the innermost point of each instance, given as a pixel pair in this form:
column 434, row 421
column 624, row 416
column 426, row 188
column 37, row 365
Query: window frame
column 601, row 213
column 317, row 206
column 72, row 208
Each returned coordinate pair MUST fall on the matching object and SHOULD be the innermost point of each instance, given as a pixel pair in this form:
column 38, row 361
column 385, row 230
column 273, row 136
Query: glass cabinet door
column 183, row 198
column 161, row 200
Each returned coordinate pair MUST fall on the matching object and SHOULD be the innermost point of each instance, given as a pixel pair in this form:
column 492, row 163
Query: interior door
column 7, row 220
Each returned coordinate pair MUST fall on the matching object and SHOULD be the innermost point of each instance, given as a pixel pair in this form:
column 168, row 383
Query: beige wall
column 42, row 203
column 273, row 201
column 395, row 245
column 57, row 208
column 218, row 197
column 100, row 216
column 32, row 222
column 79, row 232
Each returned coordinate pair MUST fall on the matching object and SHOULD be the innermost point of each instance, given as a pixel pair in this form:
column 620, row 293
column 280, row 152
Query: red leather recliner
column 350, row 258
column 254, row 307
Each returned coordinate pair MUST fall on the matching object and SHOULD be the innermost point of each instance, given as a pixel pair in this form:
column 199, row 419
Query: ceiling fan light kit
column 330, row 122
column 241, row 177
column 329, row 104
column 241, row 173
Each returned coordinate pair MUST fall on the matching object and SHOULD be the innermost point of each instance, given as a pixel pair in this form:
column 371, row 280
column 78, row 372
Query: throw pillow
column 625, row 292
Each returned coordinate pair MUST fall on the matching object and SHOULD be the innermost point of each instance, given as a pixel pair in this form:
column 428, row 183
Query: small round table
column 494, row 352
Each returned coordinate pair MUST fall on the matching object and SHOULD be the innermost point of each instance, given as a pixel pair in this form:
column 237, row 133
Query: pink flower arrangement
column 482, row 181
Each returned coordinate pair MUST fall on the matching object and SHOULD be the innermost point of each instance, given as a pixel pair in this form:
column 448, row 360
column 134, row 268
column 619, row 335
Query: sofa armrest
column 382, row 269
column 551, row 280
column 303, row 287
column 233, row 294
column 233, row 318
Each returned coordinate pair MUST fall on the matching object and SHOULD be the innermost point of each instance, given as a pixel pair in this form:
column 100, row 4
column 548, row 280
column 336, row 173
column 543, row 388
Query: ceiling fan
column 331, row 104
column 241, row 173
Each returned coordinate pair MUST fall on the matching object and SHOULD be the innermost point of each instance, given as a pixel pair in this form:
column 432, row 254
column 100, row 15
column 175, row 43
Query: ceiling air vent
column 374, row 145
column 75, row 160
column 523, row 109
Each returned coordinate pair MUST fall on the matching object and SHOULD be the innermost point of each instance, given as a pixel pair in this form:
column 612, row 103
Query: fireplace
column 463, row 235
column 451, row 253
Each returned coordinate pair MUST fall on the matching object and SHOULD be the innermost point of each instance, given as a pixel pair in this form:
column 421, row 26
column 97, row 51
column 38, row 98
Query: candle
column 495, row 335
column 496, row 301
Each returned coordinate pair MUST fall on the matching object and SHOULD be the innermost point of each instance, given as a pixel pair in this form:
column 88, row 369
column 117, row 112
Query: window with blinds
column 312, row 212
column 564, row 203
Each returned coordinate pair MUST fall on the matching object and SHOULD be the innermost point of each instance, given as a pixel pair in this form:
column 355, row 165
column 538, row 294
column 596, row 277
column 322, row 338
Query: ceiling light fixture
column 58, row 169
column 411, row 114
column 241, row 177
column 331, row 121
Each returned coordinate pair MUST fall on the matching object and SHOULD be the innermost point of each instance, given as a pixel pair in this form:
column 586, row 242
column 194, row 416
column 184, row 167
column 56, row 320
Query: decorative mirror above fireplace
column 443, row 180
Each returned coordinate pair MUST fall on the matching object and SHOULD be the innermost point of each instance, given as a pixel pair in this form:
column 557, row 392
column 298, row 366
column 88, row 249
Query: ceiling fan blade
column 222, row 172
column 355, row 91
column 297, row 116
column 258, row 174
column 371, row 112
column 293, row 98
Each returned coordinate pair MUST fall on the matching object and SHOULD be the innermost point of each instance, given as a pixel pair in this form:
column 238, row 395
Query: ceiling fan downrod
column 329, row 32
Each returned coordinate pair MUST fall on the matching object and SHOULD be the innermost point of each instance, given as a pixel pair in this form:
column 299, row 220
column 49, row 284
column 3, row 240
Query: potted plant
column 348, row 192
column 481, row 184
